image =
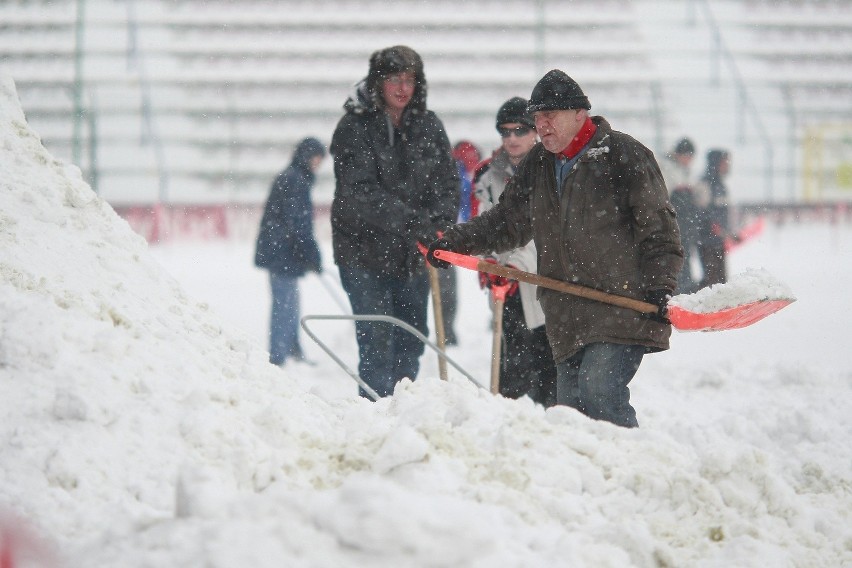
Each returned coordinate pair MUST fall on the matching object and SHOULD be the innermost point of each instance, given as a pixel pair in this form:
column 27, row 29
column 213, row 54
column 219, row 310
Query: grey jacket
column 612, row 229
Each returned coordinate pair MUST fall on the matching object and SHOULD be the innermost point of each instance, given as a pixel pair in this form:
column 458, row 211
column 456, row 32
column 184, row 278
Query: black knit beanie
column 515, row 110
column 557, row 91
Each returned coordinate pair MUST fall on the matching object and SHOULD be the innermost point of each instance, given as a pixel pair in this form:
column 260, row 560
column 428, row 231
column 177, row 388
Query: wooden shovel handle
column 497, row 344
column 474, row 263
column 438, row 312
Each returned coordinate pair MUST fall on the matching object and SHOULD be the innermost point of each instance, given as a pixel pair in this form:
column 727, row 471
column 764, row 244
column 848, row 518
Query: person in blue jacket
column 286, row 246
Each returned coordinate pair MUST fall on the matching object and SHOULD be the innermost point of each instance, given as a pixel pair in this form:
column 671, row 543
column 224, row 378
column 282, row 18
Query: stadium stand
column 199, row 102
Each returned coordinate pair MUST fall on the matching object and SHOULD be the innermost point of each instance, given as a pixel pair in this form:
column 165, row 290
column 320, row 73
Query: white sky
column 142, row 425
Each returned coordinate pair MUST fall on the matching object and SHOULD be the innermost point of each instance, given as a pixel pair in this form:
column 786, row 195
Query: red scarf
column 580, row 140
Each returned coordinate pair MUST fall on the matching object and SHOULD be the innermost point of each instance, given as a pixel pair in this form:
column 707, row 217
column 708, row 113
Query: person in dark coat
column 594, row 202
column 715, row 225
column 396, row 184
column 286, row 246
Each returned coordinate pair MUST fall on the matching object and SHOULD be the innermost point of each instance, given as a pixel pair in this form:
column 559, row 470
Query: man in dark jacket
column 396, row 184
column 286, row 247
column 594, row 201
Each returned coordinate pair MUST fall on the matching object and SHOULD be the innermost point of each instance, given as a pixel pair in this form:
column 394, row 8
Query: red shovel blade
column 730, row 318
column 750, row 231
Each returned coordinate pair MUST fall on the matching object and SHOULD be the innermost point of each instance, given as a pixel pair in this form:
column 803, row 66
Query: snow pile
column 138, row 431
column 753, row 285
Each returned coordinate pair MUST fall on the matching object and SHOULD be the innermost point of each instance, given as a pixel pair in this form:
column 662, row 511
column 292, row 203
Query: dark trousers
column 594, row 381
column 387, row 353
column 284, row 319
column 526, row 361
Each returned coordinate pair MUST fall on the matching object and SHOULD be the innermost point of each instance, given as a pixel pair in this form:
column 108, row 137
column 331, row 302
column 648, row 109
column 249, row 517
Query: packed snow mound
column 138, row 431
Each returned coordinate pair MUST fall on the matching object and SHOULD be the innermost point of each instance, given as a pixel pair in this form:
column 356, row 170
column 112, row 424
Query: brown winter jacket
column 613, row 229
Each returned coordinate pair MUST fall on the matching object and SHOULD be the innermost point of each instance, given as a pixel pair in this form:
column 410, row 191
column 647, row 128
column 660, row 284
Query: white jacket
column 488, row 187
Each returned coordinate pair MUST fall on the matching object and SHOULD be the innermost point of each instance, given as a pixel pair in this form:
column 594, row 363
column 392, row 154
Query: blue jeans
column 284, row 320
column 594, row 381
column 387, row 353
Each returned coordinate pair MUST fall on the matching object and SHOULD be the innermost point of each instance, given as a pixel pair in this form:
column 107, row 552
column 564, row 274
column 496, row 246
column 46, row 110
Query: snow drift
column 139, row 431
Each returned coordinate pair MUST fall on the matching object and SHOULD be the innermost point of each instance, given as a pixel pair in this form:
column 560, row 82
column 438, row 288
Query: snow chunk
column 753, row 285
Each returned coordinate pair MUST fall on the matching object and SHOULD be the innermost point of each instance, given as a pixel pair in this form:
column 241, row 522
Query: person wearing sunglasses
column 396, row 183
column 526, row 362
column 594, row 202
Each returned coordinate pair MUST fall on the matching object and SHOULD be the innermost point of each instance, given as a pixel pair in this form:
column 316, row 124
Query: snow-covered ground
column 141, row 425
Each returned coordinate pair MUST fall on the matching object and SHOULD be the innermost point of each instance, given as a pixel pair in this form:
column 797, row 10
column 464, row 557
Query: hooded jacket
column 612, row 229
column 394, row 186
column 286, row 244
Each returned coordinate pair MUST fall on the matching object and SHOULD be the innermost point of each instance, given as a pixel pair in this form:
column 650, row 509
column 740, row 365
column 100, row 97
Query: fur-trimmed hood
column 366, row 95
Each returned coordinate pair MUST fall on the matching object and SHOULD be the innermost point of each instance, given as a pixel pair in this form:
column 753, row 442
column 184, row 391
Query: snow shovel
column 742, row 313
column 498, row 295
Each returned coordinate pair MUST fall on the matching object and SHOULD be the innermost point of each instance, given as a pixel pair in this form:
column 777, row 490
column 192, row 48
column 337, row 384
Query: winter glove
column 488, row 280
column 439, row 244
column 659, row 298
column 499, row 282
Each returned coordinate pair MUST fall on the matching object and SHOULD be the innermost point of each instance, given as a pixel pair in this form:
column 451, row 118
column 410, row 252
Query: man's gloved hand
column 439, row 244
column 493, row 281
column 659, row 298
column 488, row 280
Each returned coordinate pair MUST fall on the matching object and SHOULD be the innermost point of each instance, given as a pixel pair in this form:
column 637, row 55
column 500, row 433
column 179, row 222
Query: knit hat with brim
column 515, row 110
column 557, row 91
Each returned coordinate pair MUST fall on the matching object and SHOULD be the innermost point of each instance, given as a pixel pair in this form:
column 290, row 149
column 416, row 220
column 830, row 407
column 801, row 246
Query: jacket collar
column 599, row 144
column 580, row 140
